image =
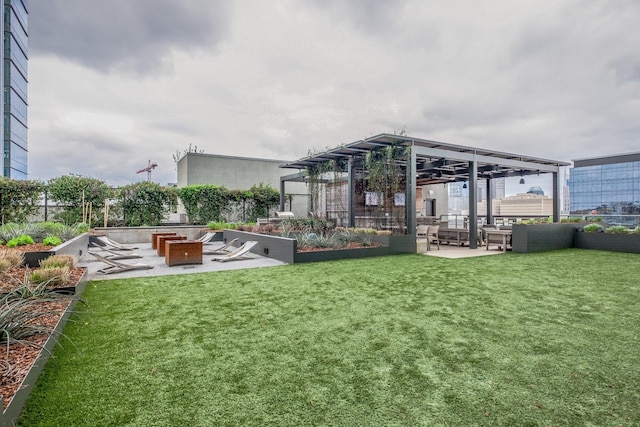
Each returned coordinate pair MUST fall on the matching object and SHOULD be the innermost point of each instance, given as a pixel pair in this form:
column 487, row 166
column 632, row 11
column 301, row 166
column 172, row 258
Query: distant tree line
column 83, row 199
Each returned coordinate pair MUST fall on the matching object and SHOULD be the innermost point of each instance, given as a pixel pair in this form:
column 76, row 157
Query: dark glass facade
column 14, row 77
column 606, row 186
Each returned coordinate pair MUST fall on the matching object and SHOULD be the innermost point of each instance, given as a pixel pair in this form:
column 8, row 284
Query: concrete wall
column 130, row 235
column 440, row 193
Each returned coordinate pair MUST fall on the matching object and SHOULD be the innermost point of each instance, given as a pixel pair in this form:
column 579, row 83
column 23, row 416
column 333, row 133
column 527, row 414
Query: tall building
column 14, row 78
column 606, row 185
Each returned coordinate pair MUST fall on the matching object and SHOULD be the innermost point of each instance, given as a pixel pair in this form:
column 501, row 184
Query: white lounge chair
column 207, row 238
column 222, row 250
column 112, row 244
column 118, row 267
column 238, row 254
column 114, row 255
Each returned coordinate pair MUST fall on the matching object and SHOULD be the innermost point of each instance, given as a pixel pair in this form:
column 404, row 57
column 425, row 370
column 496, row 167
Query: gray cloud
column 135, row 36
column 552, row 78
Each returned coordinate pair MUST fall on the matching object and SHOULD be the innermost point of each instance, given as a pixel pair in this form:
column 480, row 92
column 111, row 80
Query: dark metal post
column 410, row 192
column 282, row 194
column 46, row 201
column 473, row 205
column 490, row 194
column 351, row 193
column 556, row 198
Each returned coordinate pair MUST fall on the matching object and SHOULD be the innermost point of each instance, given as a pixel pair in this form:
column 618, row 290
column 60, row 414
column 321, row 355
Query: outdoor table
column 161, row 240
column 154, row 236
column 180, row 252
column 505, row 234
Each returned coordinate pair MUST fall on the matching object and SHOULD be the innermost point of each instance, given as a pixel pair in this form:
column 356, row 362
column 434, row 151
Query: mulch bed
column 16, row 362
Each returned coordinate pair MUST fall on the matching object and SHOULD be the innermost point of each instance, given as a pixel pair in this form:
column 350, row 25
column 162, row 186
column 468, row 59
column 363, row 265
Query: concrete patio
column 160, row 268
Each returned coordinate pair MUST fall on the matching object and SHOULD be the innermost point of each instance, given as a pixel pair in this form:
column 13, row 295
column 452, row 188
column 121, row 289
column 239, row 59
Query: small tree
column 71, row 190
column 146, row 203
column 19, row 199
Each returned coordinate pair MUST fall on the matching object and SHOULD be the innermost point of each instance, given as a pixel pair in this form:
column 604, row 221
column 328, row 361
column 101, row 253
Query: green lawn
column 507, row 340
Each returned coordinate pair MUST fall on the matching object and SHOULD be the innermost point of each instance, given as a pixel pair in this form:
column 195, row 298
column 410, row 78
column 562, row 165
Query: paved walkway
column 453, row 252
column 160, row 268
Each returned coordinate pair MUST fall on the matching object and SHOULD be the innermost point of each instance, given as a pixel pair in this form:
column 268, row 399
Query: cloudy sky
column 115, row 84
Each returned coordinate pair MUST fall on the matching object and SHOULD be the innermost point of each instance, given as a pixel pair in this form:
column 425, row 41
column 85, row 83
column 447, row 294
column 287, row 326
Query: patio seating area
column 157, row 265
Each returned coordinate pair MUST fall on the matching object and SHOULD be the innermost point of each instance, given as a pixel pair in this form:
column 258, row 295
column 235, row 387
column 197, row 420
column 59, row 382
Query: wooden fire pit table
column 180, row 252
column 161, row 240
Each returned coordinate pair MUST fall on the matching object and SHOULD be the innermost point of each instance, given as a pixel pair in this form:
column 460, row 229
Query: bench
column 458, row 236
column 180, row 252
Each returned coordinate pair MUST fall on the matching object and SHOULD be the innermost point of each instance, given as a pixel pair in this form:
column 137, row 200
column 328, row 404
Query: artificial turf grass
column 535, row 339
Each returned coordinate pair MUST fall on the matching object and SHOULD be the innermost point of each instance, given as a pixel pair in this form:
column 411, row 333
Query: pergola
column 433, row 162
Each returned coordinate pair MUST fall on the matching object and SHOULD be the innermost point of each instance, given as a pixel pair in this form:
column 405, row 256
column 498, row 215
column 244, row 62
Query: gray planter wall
column 286, row 250
column 629, row 243
column 130, row 235
column 547, row 237
column 542, row 237
column 75, row 247
column 276, row 247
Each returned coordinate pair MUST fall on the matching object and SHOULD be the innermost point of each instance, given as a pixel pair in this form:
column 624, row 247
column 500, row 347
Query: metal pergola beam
column 471, row 157
column 437, row 162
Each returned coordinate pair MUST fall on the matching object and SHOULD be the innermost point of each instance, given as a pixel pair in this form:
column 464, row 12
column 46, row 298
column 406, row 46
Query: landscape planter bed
column 629, row 243
column 76, row 247
column 38, row 358
column 528, row 238
column 286, row 249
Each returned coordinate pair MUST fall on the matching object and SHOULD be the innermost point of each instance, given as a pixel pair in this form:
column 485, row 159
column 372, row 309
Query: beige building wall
column 522, row 205
column 240, row 173
column 437, row 192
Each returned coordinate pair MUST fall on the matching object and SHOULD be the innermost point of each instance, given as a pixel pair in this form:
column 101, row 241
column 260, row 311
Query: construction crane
column 148, row 169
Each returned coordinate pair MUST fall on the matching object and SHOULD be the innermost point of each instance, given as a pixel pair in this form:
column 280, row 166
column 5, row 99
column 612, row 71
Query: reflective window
column 606, row 189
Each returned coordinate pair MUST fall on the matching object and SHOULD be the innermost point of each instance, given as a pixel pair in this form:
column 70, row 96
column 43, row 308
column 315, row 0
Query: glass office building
column 14, row 78
column 606, row 185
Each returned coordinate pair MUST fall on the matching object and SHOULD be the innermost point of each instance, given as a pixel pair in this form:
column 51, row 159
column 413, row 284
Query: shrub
column 20, row 241
column 617, row 229
column 246, row 226
column 68, row 232
column 51, row 241
column 593, row 228
column 12, row 230
column 365, row 230
column 40, row 231
column 571, row 219
column 221, row 225
column 58, row 261
column 4, row 265
column 635, row 230
column 13, row 258
column 55, row 276
column 20, row 319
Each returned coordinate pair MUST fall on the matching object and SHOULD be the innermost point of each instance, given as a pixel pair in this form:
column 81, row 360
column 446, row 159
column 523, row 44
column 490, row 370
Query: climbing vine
column 384, row 176
column 146, row 203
